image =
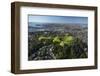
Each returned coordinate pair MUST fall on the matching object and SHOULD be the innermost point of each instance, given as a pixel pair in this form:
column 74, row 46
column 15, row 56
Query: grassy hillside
column 57, row 42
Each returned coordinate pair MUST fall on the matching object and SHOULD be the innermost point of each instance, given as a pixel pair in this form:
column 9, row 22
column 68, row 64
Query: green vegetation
column 53, row 46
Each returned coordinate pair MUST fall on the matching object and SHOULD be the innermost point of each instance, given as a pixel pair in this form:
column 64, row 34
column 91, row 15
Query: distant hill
column 54, row 27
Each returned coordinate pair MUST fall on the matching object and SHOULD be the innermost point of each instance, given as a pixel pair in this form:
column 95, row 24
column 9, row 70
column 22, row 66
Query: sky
column 57, row 19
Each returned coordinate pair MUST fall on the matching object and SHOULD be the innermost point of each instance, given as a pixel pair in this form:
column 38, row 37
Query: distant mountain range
column 54, row 26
